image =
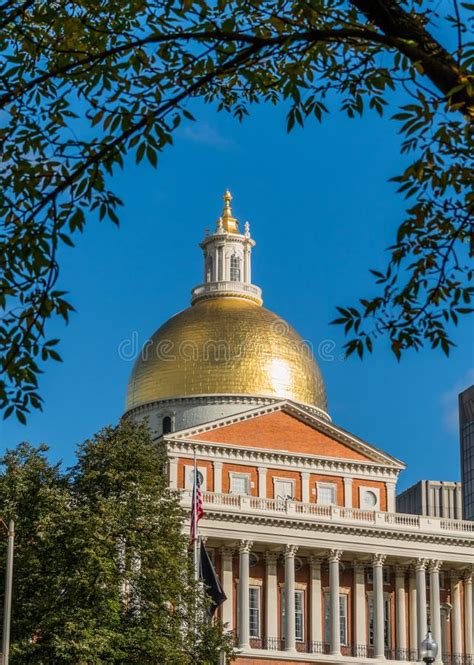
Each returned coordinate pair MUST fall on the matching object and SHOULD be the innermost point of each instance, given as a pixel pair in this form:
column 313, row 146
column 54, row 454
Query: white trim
column 364, row 489
column 291, row 481
column 278, row 459
column 234, row 475
column 324, row 485
column 189, row 477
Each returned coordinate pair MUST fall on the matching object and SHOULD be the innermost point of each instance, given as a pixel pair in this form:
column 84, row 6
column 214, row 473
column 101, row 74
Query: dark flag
column 208, row 575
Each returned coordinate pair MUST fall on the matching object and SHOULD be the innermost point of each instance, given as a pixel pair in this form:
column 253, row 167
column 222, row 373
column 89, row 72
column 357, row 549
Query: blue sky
column 322, row 212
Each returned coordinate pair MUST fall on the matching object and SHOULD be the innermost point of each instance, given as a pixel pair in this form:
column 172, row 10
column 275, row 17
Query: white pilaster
column 262, row 482
column 305, row 486
column 271, row 595
column 348, row 492
column 390, row 496
column 244, row 600
column 468, row 616
column 456, row 621
column 400, row 612
column 173, row 472
column 334, row 603
column 290, row 638
column 316, row 618
column 228, row 588
column 413, row 615
column 379, row 642
column 360, row 630
column 435, row 604
column 218, row 477
column 422, row 627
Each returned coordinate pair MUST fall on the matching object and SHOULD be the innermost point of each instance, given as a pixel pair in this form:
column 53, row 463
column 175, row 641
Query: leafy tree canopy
column 102, row 572
column 84, row 83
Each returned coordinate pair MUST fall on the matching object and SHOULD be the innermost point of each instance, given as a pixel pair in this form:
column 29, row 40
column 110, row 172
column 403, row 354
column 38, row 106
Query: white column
column 435, row 604
column 334, row 602
column 290, row 639
column 456, row 625
column 360, row 631
column 422, row 627
column 468, row 618
column 228, row 588
column 316, row 617
column 348, row 492
column 244, row 600
column 271, row 597
column 400, row 613
column 379, row 641
column 444, row 502
column 305, row 486
column 262, row 482
column 173, row 471
column 458, row 495
column 391, row 508
column 413, row 618
column 218, row 477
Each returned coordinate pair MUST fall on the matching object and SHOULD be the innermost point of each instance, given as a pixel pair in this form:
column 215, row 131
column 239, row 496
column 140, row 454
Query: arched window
column 209, row 269
column 234, row 268
column 166, row 424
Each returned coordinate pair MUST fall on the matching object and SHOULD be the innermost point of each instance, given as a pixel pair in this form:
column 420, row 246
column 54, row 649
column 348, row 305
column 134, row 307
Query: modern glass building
column 466, row 432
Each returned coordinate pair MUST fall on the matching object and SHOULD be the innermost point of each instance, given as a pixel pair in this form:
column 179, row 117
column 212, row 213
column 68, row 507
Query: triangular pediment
column 286, row 427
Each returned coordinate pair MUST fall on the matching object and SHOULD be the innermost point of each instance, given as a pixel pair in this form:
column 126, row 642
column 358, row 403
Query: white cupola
column 227, row 260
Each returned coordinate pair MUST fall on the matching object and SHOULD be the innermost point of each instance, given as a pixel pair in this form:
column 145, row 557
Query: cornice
column 265, row 457
column 341, row 529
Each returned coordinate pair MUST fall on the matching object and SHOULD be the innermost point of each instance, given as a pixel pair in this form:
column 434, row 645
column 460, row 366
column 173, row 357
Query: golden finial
column 229, row 222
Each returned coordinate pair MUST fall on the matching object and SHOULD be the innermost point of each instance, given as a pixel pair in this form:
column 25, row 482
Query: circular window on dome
column 370, row 499
column 253, row 559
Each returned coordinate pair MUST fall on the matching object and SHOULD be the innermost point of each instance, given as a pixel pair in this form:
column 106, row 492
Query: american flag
column 197, row 510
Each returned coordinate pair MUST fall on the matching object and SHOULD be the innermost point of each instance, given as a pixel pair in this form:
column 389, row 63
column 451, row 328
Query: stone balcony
column 251, row 505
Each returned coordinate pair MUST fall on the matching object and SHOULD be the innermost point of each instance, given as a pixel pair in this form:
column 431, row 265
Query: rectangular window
column 283, row 489
column 299, row 615
column 239, row 483
column 326, row 494
column 342, row 618
column 386, row 622
column 254, row 611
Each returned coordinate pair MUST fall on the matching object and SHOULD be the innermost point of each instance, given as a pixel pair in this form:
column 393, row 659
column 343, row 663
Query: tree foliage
column 102, row 572
column 83, row 84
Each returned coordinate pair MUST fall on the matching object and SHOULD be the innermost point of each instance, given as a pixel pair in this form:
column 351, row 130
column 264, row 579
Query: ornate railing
column 353, row 650
column 253, row 504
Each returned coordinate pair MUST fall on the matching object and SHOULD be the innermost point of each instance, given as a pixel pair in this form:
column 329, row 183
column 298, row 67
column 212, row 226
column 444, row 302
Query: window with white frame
column 342, row 618
column 386, row 622
column 189, row 477
column 234, row 268
column 239, row 483
column 369, row 498
column 283, row 489
column 299, row 614
column 254, row 611
column 326, row 494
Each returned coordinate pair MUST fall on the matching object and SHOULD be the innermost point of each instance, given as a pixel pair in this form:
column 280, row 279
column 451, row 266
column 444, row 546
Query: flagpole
column 196, row 562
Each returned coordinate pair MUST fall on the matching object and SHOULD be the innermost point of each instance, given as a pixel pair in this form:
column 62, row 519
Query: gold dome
column 226, row 346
